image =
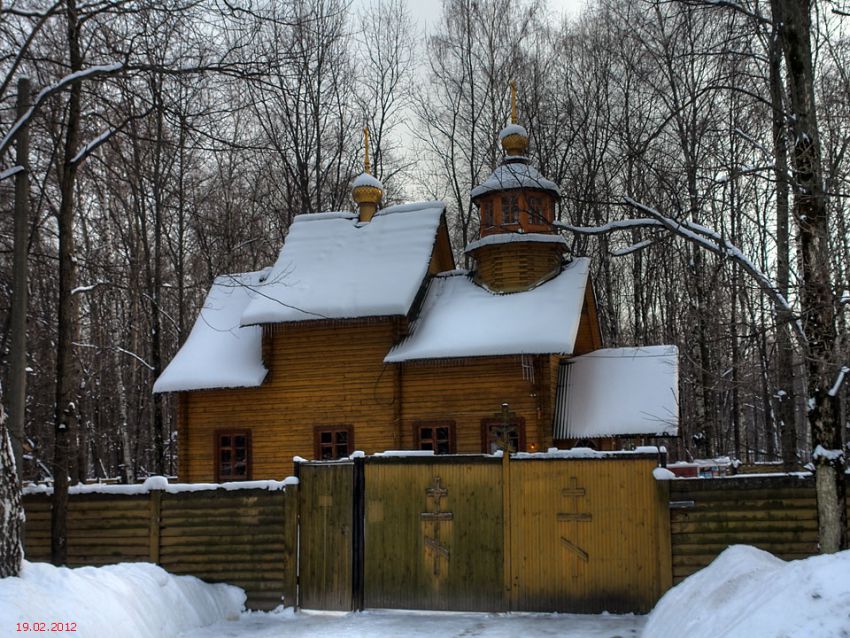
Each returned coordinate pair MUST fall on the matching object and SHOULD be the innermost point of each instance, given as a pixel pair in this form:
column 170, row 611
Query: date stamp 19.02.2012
column 38, row 627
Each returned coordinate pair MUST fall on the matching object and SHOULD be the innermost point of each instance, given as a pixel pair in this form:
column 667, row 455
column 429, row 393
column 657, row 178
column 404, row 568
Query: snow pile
column 136, row 600
column 461, row 319
column 218, row 353
column 332, row 266
column 512, row 238
column 747, row 592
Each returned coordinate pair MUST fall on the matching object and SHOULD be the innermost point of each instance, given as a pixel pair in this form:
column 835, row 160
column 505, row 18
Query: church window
column 438, row 436
column 497, row 435
column 232, row 455
column 333, row 442
column 510, row 209
column 488, row 218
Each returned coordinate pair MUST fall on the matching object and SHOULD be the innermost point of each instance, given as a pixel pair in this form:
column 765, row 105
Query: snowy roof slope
column 461, row 319
column 334, row 267
column 218, row 353
column 514, row 173
column 617, row 392
column 511, row 238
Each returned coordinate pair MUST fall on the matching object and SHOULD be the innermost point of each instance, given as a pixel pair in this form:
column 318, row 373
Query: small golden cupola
column 518, row 246
column 367, row 191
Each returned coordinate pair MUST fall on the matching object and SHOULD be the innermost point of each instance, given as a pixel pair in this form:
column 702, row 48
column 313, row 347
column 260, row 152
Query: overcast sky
column 427, row 12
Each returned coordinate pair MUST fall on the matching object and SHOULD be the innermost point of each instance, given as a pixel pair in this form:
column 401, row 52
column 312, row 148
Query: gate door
column 433, row 533
column 326, row 505
column 584, row 535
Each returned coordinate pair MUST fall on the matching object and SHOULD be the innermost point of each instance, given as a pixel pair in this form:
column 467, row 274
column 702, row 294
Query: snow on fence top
column 161, row 483
column 219, row 353
column 619, row 392
column 334, row 267
column 514, row 173
column 460, row 319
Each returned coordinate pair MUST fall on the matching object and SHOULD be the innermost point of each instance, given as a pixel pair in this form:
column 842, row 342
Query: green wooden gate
column 326, row 530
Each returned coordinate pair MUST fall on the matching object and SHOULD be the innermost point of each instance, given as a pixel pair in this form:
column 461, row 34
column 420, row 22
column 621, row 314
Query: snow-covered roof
column 334, row 267
column 514, row 172
column 619, row 392
column 509, row 238
column 219, row 353
column 461, row 319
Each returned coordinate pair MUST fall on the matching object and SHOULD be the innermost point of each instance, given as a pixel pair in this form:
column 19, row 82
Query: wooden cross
column 436, row 492
column 575, row 493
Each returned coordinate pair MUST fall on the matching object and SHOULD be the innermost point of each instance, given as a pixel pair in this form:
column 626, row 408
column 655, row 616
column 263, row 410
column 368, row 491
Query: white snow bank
column 333, row 267
column 218, row 352
column 131, row 600
column 747, row 592
column 461, row 319
column 161, row 483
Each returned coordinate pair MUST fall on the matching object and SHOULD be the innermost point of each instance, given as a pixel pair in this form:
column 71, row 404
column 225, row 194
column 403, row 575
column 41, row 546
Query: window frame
column 445, row 423
column 217, row 449
column 488, row 214
column 317, row 440
column 510, row 213
column 488, row 423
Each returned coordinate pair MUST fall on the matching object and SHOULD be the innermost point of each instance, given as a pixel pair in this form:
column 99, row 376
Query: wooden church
column 365, row 336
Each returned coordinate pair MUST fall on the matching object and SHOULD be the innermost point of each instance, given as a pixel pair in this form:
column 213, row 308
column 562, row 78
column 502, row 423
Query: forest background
column 197, row 129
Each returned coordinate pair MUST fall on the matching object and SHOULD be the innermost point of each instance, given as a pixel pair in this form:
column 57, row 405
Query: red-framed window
column 333, row 442
column 232, row 449
column 435, row 435
column 495, row 435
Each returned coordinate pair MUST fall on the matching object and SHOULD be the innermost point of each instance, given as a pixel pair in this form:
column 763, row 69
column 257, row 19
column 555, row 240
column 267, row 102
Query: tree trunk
column 785, row 412
column 18, row 356
column 65, row 406
column 11, row 509
column 816, row 294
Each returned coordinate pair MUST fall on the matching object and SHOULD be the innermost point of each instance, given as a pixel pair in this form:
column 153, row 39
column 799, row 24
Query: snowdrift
column 749, row 593
column 132, row 600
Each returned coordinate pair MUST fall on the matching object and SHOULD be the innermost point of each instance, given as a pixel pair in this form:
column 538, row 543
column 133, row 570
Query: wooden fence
column 244, row 537
column 479, row 533
column 775, row 513
column 444, row 532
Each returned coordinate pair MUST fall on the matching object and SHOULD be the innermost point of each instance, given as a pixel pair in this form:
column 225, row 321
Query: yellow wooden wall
column 469, row 390
column 332, row 373
column 320, row 374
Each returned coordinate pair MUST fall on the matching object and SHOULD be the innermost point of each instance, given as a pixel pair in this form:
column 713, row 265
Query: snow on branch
column 11, row 172
column 833, row 391
column 117, row 349
column 622, row 252
column 623, row 224
column 702, row 236
column 90, row 287
column 46, row 92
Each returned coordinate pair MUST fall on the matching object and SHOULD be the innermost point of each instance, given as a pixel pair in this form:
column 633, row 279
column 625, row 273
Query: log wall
column 242, row 537
column 775, row 513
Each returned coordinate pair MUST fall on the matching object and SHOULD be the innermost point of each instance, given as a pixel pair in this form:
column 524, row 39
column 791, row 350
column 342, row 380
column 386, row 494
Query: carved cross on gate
column 575, row 493
column 436, row 492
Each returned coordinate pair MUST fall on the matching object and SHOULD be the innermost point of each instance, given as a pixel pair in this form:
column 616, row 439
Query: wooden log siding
column 242, row 537
column 348, row 384
column 777, row 514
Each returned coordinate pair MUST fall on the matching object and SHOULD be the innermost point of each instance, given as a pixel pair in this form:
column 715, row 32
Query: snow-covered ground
column 414, row 624
column 744, row 593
